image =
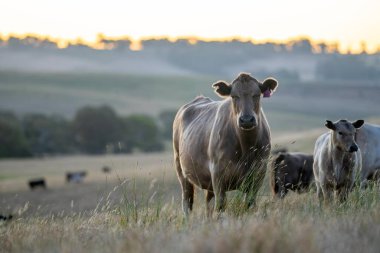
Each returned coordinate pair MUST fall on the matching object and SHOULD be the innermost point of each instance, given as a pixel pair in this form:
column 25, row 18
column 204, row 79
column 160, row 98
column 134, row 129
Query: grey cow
column 220, row 145
column 337, row 158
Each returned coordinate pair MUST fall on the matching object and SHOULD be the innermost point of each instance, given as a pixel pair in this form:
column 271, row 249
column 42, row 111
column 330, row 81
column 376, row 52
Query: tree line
column 93, row 130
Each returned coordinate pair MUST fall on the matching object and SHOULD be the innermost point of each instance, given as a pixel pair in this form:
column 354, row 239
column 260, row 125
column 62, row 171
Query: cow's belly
column 196, row 171
column 194, row 156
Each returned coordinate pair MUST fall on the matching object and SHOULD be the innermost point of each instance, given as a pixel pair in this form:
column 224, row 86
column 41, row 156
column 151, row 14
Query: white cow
column 337, row 159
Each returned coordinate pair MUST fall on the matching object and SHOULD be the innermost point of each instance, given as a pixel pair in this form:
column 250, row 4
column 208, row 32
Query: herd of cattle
column 226, row 145
column 71, row 177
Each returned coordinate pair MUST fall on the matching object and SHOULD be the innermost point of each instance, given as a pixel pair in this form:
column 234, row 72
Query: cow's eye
column 340, row 133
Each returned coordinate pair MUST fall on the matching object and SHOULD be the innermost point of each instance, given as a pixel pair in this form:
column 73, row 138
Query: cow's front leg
column 219, row 191
column 327, row 193
column 363, row 180
column 209, row 206
column 251, row 186
column 341, row 194
column 319, row 191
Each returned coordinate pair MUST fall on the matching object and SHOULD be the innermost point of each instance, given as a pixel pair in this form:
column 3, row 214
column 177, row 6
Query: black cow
column 37, row 183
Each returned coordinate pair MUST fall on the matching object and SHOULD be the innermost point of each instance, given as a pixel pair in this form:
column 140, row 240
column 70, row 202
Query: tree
column 97, row 127
column 12, row 141
column 142, row 132
column 48, row 134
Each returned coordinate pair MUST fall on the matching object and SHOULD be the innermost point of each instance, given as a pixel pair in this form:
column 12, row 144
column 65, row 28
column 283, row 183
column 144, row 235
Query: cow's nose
column 247, row 121
column 354, row 148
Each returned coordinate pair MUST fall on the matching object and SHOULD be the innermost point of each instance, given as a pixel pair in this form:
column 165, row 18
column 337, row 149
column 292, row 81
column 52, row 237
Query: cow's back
column 191, row 134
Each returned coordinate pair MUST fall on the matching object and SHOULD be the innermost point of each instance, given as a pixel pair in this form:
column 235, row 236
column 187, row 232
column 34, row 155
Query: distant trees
column 198, row 56
column 143, row 133
column 166, row 119
column 95, row 127
column 347, row 67
column 12, row 140
column 47, row 134
column 94, row 130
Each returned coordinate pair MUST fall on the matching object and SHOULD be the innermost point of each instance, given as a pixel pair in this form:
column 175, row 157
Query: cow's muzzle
column 353, row 148
column 247, row 122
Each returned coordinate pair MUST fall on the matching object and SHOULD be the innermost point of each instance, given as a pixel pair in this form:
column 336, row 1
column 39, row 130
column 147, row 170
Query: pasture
column 137, row 206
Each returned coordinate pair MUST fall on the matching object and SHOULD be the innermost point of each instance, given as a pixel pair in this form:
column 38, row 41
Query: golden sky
column 349, row 22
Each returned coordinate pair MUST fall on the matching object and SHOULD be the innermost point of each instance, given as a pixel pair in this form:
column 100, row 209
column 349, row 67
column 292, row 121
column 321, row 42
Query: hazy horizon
column 349, row 23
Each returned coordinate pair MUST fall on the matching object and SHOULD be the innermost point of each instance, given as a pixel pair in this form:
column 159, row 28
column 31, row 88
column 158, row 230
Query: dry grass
column 137, row 209
column 144, row 215
column 297, row 224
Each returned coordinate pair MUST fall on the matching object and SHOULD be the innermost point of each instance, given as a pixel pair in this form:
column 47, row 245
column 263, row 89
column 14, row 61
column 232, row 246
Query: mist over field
column 37, row 76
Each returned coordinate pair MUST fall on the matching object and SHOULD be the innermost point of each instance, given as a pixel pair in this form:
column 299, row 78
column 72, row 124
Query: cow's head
column 246, row 92
column 343, row 134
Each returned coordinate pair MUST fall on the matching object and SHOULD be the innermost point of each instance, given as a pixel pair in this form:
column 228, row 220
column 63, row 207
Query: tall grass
column 147, row 219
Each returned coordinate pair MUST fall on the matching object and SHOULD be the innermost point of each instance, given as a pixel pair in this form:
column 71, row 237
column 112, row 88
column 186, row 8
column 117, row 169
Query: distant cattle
column 5, row 217
column 291, row 171
column 337, row 159
column 368, row 139
column 106, row 169
column 223, row 145
column 75, row 177
column 37, row 183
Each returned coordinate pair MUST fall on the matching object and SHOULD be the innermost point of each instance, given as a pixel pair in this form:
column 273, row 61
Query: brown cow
column 223, row 145
column 291, row 171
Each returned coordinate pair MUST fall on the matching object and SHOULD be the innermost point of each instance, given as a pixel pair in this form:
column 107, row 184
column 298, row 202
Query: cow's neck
column 247, row 140
column 342, row 163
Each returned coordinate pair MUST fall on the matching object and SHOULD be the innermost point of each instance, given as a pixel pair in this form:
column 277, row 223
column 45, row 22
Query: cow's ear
column 269, row 85
column 358, row 124
column 330, row 125
column 222, row 88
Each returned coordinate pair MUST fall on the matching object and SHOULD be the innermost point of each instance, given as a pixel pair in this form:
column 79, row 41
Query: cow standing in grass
column 223, row 145
column 291, row 171
column 337, row 158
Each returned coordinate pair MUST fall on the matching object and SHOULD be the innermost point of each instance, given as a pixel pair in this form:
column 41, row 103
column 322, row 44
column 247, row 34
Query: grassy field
column 136, row 208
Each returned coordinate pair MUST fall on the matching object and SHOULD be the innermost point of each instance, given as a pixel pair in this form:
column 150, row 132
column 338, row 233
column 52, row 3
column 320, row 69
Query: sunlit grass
column 144, row 220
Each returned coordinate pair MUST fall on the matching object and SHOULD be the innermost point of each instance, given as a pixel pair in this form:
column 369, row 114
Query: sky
column 349, row 22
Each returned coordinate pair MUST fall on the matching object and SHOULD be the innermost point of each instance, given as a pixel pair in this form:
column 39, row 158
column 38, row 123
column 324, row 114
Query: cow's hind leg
column 187, row 189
